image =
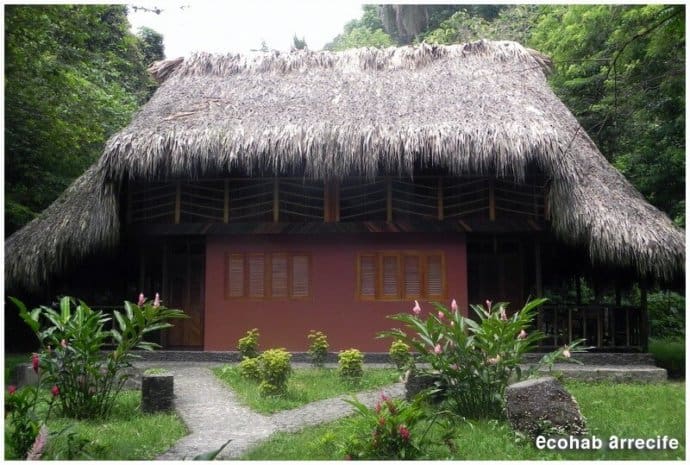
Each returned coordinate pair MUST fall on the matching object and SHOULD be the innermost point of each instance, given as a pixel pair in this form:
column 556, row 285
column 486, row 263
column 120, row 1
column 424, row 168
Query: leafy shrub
column 249, row 344
column 392, row 430
column 666, row 315
column 474, row 360
column 250, row 369
column 350, row 365
column 275, row 371
column 399, row 352
column 72, row 357
column 669, row 354
column 318, row 347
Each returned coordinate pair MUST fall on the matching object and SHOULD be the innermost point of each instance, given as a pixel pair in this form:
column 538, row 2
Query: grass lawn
column 624, row 410
column 128, row 434
column 305, row 385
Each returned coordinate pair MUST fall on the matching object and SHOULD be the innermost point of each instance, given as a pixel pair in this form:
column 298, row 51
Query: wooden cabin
column 320, row 190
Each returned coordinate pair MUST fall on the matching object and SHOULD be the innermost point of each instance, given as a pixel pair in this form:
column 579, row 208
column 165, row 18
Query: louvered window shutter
column 367, row 276
column 256, row 275
column 390, row 285
column 434, row 276
column 300, row 276
column 279, row 276
column 235, row 276
column 412, row 276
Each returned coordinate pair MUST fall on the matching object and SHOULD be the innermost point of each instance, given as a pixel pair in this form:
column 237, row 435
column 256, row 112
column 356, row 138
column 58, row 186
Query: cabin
column 321, row 190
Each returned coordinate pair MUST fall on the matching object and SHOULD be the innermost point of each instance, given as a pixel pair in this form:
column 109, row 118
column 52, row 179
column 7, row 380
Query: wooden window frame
column 402, row 295
column 268, row 276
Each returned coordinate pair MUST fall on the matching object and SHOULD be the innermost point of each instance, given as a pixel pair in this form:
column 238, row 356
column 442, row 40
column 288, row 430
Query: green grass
column 624, row 410
column 305, row 385
column 12, row 360
column 128, row 434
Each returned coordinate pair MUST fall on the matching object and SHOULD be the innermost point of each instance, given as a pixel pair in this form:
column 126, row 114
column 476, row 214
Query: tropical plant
column 318, row 347
column 350, row 365
column 250, row 369
column 473, row 361
column 275, row 369
column 399, row 352
column 249, row 344
column 73, row 356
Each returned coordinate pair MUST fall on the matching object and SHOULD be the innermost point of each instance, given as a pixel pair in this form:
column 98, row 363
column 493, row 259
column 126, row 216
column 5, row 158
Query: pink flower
column 384, row 398
column 454, row 305
column 566, row 352
column 416, row 309
column 502, row 313
column 378, row 407
column 157, row 301
column 55, row 391
column 523, row 334
column 63, row 344
column 494, row 360
column 404, row 433
column 488, row 305
column 35, row 361
column 11, row 389
column 440, row 315
column 437, row 349
column 142, row 299
column 39, row 444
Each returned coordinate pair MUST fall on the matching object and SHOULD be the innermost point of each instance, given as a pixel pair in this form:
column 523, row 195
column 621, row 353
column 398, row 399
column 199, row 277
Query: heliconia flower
column 416, row 309
column 502, row 313
column 488, row 305
column 142, row 299
column 157, row 301
column 440, row 315
column 55, row 391
column 35, row 361
column 404, row 433
column 378, row 407
column 63, row 343
column 382, row 421
column 11, row 389
column 391, row 407
column 566, row 352
column 437, row 349
column 454, row 305
column 384, row 397
column 39, row 444
column 523, row 334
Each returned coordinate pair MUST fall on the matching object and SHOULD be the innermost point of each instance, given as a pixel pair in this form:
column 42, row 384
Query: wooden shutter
column 235, row 276
column 435, row 276
column 279, row 276
column 390, row 276
column 412, row 276
column 300, row 276
column 256, row 275
column 367, row 276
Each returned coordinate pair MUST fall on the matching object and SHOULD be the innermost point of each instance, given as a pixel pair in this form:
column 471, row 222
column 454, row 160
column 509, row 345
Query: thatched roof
column 483, row 107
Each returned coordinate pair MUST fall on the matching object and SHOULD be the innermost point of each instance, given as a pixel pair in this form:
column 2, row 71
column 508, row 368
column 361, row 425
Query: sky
column 240, row 26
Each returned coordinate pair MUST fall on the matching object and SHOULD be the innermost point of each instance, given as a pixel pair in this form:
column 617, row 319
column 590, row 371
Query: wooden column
column 644, row 316
column 226, row 201
column 165, row 291
column 389, row 200
column 492, row 199
column 537, row 269
column 336, row 200
column 178, row 202
column 276, row 201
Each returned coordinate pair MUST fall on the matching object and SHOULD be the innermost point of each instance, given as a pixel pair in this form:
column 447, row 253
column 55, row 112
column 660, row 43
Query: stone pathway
column 213, row 414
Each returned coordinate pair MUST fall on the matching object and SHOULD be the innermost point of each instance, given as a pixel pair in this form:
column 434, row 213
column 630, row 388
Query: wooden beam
column 389, row 199
column 276, row 201
column 492, row 199
column 439, row 198
column 226, row 201
column 644, row 316
column 178, row 201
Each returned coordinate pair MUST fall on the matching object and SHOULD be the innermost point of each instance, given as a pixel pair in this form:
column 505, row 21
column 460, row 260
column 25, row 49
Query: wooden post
column 226, row 201
column 492, row 200
column 617, row 286
column 164, row 288
column 644, row 316
column 389, row 200
column 326, row 201
column 439, row 197
column 178, row 201
column 276, row 201
column 336, row 200
column 537, row 269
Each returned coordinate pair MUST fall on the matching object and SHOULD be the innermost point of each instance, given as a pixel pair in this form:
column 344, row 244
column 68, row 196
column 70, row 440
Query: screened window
column 401, row 275
column 268, row 276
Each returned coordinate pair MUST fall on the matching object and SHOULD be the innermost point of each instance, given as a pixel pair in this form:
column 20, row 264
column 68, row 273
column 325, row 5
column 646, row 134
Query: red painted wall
column 333, row 307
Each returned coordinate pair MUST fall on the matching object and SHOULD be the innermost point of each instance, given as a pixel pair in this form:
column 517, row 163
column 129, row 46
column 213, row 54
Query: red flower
column 404, row 433
column 35, row 361
column 391, row 407
column 55, row 391
column 416, row 309
column 378, row 407
column 11, row 389
column 382, row 421
column 142, row 299
column 157, row 300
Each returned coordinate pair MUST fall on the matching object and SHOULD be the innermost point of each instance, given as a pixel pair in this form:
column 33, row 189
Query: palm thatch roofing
column 480, row 108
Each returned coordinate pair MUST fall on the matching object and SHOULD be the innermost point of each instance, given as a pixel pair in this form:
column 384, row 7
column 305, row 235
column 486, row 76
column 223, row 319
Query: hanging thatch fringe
column 483, row 107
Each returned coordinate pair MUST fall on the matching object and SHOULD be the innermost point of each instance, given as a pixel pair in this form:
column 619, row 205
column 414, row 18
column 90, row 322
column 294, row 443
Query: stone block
column 543, row 406
column 157, row 392
column 417, row 382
